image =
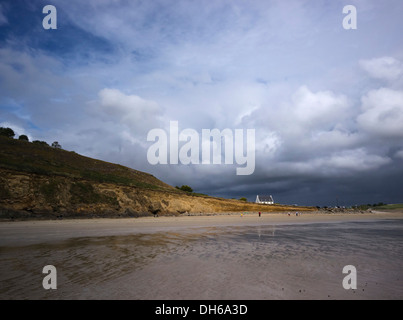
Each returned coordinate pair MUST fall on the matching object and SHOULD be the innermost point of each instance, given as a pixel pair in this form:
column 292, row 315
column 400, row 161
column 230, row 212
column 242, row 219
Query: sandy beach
column 37, row 231
column 225, row 256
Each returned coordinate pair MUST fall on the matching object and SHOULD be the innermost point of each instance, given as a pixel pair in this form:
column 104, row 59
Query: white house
column 264, row 199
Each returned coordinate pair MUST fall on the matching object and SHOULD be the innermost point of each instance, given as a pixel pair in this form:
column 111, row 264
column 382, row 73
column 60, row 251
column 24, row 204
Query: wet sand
column 31, row 232
column 275, row 256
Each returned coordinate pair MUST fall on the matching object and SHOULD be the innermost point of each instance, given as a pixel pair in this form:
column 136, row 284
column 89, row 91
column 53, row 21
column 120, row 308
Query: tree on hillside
column 23, row 137
column 243, row 199
column 56, row 145
column 185, row 188
column 7, row 132
column 42, row 143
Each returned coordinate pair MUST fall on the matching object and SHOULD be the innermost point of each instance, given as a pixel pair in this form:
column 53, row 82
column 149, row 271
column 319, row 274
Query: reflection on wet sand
column 233, row 262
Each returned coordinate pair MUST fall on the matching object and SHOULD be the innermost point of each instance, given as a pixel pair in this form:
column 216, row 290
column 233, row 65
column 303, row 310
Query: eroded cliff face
column 33, row 195
column 27, row 195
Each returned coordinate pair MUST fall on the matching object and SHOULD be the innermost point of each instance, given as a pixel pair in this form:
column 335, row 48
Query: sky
column 325, row 102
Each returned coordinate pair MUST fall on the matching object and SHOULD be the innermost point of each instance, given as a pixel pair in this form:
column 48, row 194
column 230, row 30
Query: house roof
column 265, row 198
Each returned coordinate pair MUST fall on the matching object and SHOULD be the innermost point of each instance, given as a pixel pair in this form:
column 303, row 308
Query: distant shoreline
column 300, row 211
column 44, row 231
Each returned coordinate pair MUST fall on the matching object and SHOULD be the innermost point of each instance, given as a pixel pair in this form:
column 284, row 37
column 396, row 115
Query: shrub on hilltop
column 7, row 132
column 185, row 188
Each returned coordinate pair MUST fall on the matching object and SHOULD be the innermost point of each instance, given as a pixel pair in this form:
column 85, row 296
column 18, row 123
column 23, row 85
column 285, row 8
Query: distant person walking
column 260, row 213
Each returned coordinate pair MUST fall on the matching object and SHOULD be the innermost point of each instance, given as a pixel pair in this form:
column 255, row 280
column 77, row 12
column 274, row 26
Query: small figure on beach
column 260, row 213
column 241, row 215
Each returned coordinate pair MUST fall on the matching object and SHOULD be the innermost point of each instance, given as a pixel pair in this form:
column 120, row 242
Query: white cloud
column 267, row 143
column 303, row 119
column 356, row 160
column 318, row 109
column 3, row 18
column 385, row 68
column 382, row 113
column 337, row 138
column 138, row 114
column 300, row 112
column 335, row 164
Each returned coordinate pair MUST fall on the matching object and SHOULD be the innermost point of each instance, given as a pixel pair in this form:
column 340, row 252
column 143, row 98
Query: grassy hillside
column 38, row 181
column 28, row 157
column 396, row 206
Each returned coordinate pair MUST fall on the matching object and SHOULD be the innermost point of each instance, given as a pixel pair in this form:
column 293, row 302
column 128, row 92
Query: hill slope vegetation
column 38, row 181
